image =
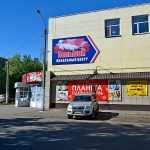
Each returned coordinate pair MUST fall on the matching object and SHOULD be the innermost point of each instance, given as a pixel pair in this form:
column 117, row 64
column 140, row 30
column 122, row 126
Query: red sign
column 32, row 77
column 97, row 87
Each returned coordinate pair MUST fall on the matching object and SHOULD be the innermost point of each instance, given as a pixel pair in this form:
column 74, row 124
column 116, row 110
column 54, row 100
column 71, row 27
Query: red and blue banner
column 74, row 50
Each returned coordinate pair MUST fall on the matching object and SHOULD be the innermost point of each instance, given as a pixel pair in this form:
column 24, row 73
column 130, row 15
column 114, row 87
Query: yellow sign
column 137, row 87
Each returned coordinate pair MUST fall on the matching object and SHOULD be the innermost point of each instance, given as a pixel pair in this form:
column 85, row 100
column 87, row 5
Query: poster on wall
column 114, row 88
column 104, row 90
column 137, row 88
column 74, row 50
column 97, row 87
column 61, row 93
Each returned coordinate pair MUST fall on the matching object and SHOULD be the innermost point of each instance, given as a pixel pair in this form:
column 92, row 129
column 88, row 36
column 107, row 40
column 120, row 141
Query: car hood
column 80, row 103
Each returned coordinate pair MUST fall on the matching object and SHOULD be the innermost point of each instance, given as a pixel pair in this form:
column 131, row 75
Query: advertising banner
column 32, row 77
column 114, row 88
column 61, row 93
column 73, row 50
column 66, row 92
column 137, row 88
column 97, row 87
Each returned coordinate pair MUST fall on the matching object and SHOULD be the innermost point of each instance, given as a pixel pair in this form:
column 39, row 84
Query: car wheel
column 69, row 116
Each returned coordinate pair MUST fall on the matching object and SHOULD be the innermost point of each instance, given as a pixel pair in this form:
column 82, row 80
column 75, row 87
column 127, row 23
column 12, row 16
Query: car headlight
column 69, row 108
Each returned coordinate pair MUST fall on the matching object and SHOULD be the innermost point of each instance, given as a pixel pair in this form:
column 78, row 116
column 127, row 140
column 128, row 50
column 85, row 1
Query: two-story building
column 105, row 52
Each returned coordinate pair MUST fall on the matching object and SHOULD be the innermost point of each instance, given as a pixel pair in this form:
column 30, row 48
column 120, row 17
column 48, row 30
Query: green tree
column 2, row 75
column 2, row 80
column 30, row 65
column 15, row 67
column 18, row 66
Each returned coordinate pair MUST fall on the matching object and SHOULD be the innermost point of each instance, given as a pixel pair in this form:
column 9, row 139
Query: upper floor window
column 140, row 24
column 112, row 27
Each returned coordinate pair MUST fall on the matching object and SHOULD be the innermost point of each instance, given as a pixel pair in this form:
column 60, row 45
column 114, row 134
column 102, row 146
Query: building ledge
column 111, row 75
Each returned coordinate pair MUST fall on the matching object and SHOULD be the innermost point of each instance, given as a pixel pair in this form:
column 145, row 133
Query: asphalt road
column 29, row 129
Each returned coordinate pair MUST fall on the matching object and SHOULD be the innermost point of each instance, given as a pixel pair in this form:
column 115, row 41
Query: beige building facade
column 120, row 44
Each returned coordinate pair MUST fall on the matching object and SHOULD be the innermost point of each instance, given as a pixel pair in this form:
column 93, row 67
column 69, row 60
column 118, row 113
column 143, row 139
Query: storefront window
column 24, row 92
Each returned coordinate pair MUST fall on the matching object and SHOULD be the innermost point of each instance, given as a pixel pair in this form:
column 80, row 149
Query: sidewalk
column 10, row 111
column 131, row 116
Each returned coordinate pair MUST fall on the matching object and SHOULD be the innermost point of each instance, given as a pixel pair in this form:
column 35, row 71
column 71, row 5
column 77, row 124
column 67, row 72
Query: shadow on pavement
column 106, row 115
column 38, row 134
column 100, row 116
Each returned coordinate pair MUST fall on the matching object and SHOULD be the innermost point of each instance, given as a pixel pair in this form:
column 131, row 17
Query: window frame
column 138, row 25
column 110, row 28
column 24, row 92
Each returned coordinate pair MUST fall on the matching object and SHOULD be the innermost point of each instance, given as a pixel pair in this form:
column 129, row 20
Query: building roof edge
column 103, row 9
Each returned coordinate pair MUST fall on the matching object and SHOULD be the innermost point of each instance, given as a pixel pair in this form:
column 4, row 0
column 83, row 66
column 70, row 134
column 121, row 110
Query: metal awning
column 103, row 76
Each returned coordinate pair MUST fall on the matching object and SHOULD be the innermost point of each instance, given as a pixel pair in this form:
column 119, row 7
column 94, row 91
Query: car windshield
column 83, row 98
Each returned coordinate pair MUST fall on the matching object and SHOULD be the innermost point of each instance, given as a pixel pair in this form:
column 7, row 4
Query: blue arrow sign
column 74, row 50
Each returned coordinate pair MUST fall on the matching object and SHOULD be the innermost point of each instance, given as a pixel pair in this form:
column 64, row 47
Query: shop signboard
column 114, row 88
column 32, row 77
column 97, row 87
column 104, row 90
column 74, row 50
column 66, row 92
column 137, row 88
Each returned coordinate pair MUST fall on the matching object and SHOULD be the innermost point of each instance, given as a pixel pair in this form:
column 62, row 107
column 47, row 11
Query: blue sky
column 21, row 28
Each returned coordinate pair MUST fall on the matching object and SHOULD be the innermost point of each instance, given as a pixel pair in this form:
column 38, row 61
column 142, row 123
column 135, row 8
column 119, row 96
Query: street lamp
column 44, row 56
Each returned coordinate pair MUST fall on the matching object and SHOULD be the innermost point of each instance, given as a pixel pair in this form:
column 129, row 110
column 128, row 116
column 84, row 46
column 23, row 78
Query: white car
column 83, row 105
column 2, row 98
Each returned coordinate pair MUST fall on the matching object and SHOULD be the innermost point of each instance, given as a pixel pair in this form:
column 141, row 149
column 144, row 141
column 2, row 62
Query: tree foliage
column 18, row 65
column 2, row 74
column 2, row 79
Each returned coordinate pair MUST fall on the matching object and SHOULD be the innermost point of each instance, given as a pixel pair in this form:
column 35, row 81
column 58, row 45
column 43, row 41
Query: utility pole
column 44, row 66
column 44, row 57
column 7, row 82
